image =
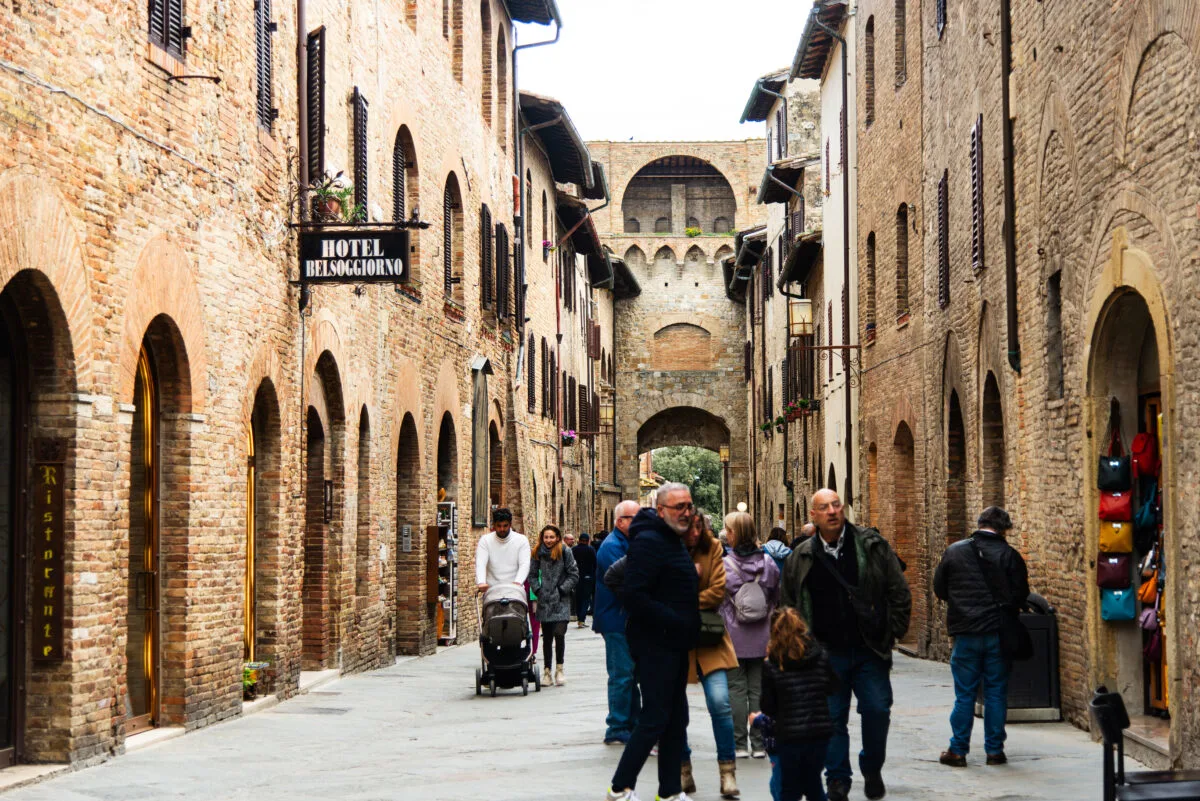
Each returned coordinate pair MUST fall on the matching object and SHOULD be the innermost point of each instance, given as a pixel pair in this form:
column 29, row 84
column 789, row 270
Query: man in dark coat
column 847, row 583
column 585, row 558
column 978, row 602
column 661, row 595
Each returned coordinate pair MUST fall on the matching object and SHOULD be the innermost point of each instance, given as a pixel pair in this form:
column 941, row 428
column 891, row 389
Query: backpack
column 750, row 601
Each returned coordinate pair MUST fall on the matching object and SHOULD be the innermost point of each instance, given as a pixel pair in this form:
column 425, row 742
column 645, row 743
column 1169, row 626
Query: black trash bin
column 1033, row 689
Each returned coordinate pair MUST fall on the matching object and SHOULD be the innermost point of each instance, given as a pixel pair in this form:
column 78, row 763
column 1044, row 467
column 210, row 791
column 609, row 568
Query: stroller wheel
column 537, row 682
column 492, row 687
column 478, row 681
column 524, row 686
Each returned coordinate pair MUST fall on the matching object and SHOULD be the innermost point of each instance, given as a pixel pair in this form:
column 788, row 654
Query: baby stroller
column 506, row 642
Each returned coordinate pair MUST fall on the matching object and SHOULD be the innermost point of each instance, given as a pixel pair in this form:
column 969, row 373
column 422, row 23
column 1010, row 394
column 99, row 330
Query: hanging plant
column 568, row 436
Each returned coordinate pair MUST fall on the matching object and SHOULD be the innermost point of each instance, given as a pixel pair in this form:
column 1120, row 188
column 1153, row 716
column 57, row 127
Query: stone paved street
column 417, row 732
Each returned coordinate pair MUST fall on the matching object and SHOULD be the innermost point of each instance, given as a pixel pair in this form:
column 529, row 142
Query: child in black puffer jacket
column 797, row 681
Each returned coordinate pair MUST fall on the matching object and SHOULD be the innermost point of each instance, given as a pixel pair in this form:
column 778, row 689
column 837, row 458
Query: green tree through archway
column 700, row 469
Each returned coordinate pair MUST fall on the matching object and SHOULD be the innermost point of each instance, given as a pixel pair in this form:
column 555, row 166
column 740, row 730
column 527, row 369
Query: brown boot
column 729, row 788
column 687, row 782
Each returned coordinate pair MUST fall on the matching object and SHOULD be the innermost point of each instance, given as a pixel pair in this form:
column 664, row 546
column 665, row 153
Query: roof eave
column 538, row 12
column 579, row 172
column 814, row 36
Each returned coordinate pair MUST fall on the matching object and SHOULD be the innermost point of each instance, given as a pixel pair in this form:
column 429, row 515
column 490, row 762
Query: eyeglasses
column 825, row 507
column 680, row 507
column 626, row 517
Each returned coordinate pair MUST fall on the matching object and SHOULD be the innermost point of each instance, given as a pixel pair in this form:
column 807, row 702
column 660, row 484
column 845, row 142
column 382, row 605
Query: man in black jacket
column 660, row 593
column 585, row 557
column 982, row 579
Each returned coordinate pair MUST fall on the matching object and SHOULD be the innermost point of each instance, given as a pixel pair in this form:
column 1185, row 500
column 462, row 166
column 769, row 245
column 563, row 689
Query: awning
column 749, row 246
column 816, row 44
column 788, row 171
column 758, row 107
column 624, row 286
column 570, row 160
column 600, row 270
column 573, row 213
column 734, row 290
column 806, row 252
column 542, row 12
column 599, row 188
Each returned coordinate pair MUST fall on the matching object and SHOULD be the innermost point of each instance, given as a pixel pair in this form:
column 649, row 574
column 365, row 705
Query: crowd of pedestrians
column 781, row 636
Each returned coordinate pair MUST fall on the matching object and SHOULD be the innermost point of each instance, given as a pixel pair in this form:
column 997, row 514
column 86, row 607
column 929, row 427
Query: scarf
column 543, row 552
column 746, row 549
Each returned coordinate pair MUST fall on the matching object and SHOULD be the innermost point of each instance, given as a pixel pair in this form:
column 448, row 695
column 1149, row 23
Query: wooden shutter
column 486, row 254
column 176, row 33
column 316, row 104
column 502, row 272
column 569, row 400
column 447, row 241
column 845, row 318
column 553, row 410
column 158, row 22
column 748, row 361
column 530, row 352
column 829, row 328
column 798, row 217
column 771, row 392
column 399, row 180
column 941, row 17
column 977, row 194
column 785, row 381
column 585, row 417
column 263, row 57
column 943, row 239
column 519, row 289
column 545, row 385
column 361, row 178
column 770, row 145
column 827, row 167
column 783, row 136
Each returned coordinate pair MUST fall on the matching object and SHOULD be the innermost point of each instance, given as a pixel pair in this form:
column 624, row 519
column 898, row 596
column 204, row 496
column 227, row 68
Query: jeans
column 745, row 691
column 624, row 701
column 800, row 769
column 975, row 658
column 554, row 636
column 716, row 695
column 662, row 675
column 583, row 598
column 864, row 672
column 776, row 777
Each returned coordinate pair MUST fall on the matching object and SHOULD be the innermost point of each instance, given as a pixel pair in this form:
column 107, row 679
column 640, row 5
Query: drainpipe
column 1010, row 212
column 846, row 251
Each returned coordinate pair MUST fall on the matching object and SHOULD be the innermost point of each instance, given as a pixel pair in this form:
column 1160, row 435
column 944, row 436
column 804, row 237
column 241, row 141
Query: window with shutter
column 901, row 34
column 798, row 217
column 503, row 262
column 545, row 233
column 263, row 58
column 552, row 412
column 486, row 254
column 531, row 388
column 771, row 392
column 845, row 318
column 830, row 330
column 977, row 219
column 585, row 417
column 769, row 274
column 785, row 381
column 869, row 311
column 869, row 72
column 166, row 28
column 943, row 239
column 748, row 361
column 520, row 286
column 902, row 262
column 827, row 168
column 361, row 178
column 545, row 384
column 399, row 179
column 316, row 104
column 941, row 17
column 770, row 145
column 569, row 400
column 447, row 242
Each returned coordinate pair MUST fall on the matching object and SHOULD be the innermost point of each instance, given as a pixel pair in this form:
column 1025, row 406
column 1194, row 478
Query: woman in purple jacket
column 748, row 621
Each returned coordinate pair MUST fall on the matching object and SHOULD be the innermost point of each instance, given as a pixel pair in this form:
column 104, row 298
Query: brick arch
column 682, row 425
column 266, row 366
column 163, row 284
column 325, row 336
column 1056, row 119
column 405, row 399
column 727, row 166
column 36, row 233
column 989, row 349
column 1152, row 20
column 446, row 400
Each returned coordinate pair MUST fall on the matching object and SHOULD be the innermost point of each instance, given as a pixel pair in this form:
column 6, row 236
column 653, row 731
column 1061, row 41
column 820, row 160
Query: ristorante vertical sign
column 350, row 256
column 47, row 558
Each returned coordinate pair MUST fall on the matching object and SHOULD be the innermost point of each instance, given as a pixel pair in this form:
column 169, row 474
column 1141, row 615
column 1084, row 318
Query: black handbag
column 712, row 629
column 1115, row 473
column 1015, row 643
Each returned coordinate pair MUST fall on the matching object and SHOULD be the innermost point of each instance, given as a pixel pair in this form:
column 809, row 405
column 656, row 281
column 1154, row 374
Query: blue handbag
column 1118, row 605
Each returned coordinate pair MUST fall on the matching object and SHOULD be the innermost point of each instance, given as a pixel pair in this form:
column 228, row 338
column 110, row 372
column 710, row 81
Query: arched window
column 722, row 225
column 869, row 69
column 869, row 305
column 530, row 389
column 502, row 89
column 692, row 222
column 362, row 549
column 485, row 59
column 902, row 262
column 632, row 226
column 404, row 190
column 662, row 226
column 901, row 57
column 452, row 240
column 529, row 205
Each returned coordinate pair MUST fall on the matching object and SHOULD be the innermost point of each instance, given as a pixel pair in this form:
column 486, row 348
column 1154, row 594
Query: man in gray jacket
column 848, row 584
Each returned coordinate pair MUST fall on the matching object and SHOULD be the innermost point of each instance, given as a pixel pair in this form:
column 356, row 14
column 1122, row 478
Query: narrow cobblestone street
column 417, row 732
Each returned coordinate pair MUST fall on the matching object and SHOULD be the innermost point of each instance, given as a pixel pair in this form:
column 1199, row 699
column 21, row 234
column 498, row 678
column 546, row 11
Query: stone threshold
column 24, row 775
column 145, row 739
column 312, row 679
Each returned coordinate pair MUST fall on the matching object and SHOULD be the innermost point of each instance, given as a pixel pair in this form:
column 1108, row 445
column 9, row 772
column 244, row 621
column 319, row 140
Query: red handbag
column 1145, row 455
column 1116, row 506
column 1114, row 571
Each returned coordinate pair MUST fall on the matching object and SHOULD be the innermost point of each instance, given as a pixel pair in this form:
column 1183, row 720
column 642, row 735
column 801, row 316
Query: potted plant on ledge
column 568, row 437
column 332, row 199
column 766, row 428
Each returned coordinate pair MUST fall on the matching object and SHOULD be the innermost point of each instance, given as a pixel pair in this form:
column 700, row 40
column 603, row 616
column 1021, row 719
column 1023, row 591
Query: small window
column 941, row 17
column 545, row 229
column 452, row 240
column 1054, row 336
column 692, row 222
column 901, row 56
column 943, row 239
column 869, row 305
column 722, row 225
column 869, row 69
column 166, row 26
column 977, row 220
column 632, row 226
column 902, row 263
column 264, row 64
column 530, row 387
column 662, row 225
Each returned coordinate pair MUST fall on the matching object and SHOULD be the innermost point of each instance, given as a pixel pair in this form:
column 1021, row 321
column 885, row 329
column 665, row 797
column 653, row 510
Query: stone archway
column 688, row 426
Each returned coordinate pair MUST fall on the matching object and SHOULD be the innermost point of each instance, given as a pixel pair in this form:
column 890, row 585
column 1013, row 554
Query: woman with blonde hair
column 552, row 575
column 708, row 664
column 751, row 595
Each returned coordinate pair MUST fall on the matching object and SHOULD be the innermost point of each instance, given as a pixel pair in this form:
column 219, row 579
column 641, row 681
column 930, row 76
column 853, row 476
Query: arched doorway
column 683, row 444
column 261, row 590
column 992, row 420
column 447, row 460
column 415, row 610
column 873, row 508
column 904, row 534
column 956, row 471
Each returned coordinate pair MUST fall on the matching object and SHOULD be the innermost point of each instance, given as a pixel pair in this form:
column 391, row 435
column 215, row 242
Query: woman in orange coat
column 708, row 665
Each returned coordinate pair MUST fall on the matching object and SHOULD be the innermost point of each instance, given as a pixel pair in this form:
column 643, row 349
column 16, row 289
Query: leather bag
column 1114, row 571
column 1153, row 649
column 712, row 629
column 1118, row 605
column 1115, row 474
column 1116, row 506
column 1144, row 453
column 1015, row 643
column 1116, row 537
column 1148, row 619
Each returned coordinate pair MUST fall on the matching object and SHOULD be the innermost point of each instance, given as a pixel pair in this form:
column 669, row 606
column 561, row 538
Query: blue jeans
column 624, row 701
column 975, row 658
column 800, row 769
column 862, row 671
column 776, row 776
column 716, row 695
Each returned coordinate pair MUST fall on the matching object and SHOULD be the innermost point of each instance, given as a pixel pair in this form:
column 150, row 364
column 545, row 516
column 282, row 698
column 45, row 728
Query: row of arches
column 635, row 257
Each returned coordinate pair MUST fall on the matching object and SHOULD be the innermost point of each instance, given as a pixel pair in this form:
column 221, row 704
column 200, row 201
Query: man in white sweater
column 502, row 556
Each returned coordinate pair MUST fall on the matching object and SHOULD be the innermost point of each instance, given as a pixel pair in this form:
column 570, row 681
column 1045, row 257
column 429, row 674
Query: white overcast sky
column 661, row 69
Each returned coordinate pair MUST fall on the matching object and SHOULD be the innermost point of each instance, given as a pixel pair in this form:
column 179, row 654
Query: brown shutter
column 263, row 61
column 843, row 158
column 158, row 22
column 447, row 241
column 977, row 220
column 485, row 256
column 785, row 380
column 361, row 178
column 399, row 180
column 502, row 272
column 531, row 388
column 316, row 104
column 829, row 328
column 545, row 384
column 176, row 33
column 943, row 239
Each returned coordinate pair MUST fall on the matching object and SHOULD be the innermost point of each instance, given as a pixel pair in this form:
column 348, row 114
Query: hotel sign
column 350, row 256
column 47, row 558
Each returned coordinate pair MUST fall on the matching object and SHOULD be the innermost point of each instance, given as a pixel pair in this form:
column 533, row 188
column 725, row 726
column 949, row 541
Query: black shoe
column 839, row 790
column 873, row 786
column 952, row 759
column 997, row 759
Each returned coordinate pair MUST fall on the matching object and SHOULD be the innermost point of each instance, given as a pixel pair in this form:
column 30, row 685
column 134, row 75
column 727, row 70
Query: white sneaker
column 741, row 753
column 758, row 753
column 679, row 797
column 624, row 795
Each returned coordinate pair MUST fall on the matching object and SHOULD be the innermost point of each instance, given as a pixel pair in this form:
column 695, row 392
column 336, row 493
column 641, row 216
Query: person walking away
column 553, row 574
column 751, row 595
column 777, row 547
column 847, row 584
column 568, row 540
column 624, row 702
column 502, row 555
column 659, row 593
column 806, row 531
column 585, row 557
column 797, row 682
column 709, row 665
column 982, row 579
